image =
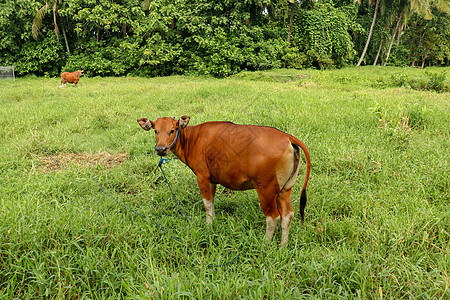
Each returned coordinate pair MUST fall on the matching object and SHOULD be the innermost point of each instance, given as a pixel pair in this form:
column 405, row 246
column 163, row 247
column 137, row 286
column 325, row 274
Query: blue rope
column 161, row 162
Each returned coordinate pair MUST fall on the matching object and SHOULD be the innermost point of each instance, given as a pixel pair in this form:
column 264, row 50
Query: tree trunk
column 423, row 50
column 370, row 34
column 400, row 30
column 291, row 20
column 54, row 21
column 392, row 40
column 65, row 37
column 378, row 55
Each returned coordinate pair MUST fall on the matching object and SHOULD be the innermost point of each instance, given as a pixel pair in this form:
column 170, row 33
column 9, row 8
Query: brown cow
column 70, row 77
column 239, row 157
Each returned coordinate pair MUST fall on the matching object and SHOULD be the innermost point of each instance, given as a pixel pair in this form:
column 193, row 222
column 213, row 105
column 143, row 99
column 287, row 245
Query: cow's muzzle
column 161, row 151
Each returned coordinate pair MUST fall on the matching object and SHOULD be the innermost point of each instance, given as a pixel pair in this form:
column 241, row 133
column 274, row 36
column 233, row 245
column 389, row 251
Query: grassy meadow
column 377, row 219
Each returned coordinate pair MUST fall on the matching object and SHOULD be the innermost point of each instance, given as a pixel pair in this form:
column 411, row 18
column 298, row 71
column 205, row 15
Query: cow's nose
column 161, row 151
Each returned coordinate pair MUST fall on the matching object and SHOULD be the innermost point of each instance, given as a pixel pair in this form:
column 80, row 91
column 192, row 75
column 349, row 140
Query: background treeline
column 220, row 37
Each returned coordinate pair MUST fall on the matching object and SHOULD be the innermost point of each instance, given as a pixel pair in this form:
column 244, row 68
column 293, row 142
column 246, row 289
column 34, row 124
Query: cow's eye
column 156, row 131
column 172, row 131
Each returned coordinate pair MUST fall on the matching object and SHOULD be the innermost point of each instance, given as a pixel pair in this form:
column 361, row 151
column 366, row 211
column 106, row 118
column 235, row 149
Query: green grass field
column 377, row 219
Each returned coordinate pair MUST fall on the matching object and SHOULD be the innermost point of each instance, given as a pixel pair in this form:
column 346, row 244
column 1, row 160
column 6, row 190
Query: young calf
column 239, row 157
column 70, row 77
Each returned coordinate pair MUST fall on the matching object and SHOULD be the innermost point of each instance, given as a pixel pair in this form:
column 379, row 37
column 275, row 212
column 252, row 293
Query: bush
column 41, row 57
column 436, row 81
column 400, row 80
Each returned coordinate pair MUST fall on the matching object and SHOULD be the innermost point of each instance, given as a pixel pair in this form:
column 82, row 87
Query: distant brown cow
column 239, row 157
column 70, row 77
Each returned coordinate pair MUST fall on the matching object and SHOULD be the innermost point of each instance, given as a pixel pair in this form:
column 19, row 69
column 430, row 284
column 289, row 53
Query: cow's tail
column 303, row 198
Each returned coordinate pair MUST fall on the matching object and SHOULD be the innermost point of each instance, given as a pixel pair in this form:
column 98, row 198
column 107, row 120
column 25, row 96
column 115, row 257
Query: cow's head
column 166, row 131
column 80, row 72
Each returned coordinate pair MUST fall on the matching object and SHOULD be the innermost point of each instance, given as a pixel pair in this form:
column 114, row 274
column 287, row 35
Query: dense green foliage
column 323, row 35
column 377, row 220
column 160, row 37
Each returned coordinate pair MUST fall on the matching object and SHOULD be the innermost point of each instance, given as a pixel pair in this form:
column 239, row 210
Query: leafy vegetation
column 377, row 220
column 219, row 38
column 435, row 81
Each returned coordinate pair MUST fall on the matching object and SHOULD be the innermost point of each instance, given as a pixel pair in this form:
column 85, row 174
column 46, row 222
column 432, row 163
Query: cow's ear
column 145, row 123
column 183, row 121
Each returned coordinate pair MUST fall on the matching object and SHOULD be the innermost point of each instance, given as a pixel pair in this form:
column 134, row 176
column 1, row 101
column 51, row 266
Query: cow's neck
column 180, row 148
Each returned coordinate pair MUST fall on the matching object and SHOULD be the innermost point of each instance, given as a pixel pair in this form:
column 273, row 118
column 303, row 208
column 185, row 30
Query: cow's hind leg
column 285, row 209
column 267, row 200
column 288, row 174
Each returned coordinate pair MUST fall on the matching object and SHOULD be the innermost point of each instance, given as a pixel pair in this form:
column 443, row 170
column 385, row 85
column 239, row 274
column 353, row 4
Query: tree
column 40, row 14
column 397, row 11
column 322, row 35
column 392, row 40
column 429, row 40
column 15, row 28
column 370, row 31
column 291, row 19
column 223, row 37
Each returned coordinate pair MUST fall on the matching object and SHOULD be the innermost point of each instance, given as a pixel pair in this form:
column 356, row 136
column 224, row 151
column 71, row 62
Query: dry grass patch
column 68, row 160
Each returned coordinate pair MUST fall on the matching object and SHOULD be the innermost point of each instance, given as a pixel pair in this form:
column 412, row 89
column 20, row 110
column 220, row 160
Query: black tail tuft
column 303, row 205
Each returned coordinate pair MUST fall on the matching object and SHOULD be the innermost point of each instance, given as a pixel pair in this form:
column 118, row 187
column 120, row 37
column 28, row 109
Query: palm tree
column 370, row 31
column 400, row 10
column 40, row 14
column 291, row 19
column 422, row 8
column 37, row 21
column 392, row 39
column 404, row 9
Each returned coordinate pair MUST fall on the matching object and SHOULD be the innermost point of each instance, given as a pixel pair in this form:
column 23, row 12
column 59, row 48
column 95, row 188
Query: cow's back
column 236, row 154
column 71, row 77
column 239, row 139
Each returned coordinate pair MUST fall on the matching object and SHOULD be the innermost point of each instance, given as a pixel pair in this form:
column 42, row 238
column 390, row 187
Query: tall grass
column 377, row 221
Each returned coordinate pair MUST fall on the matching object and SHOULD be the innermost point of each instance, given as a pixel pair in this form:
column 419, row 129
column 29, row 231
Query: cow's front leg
column 208, row 191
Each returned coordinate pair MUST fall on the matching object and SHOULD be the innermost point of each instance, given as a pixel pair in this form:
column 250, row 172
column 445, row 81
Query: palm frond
column 37, row 21
column 443, row 5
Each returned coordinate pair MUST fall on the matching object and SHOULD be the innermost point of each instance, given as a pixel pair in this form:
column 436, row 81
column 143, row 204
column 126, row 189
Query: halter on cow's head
column 166, row 130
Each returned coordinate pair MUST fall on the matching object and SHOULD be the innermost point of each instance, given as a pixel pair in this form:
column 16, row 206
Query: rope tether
column 161, row 162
